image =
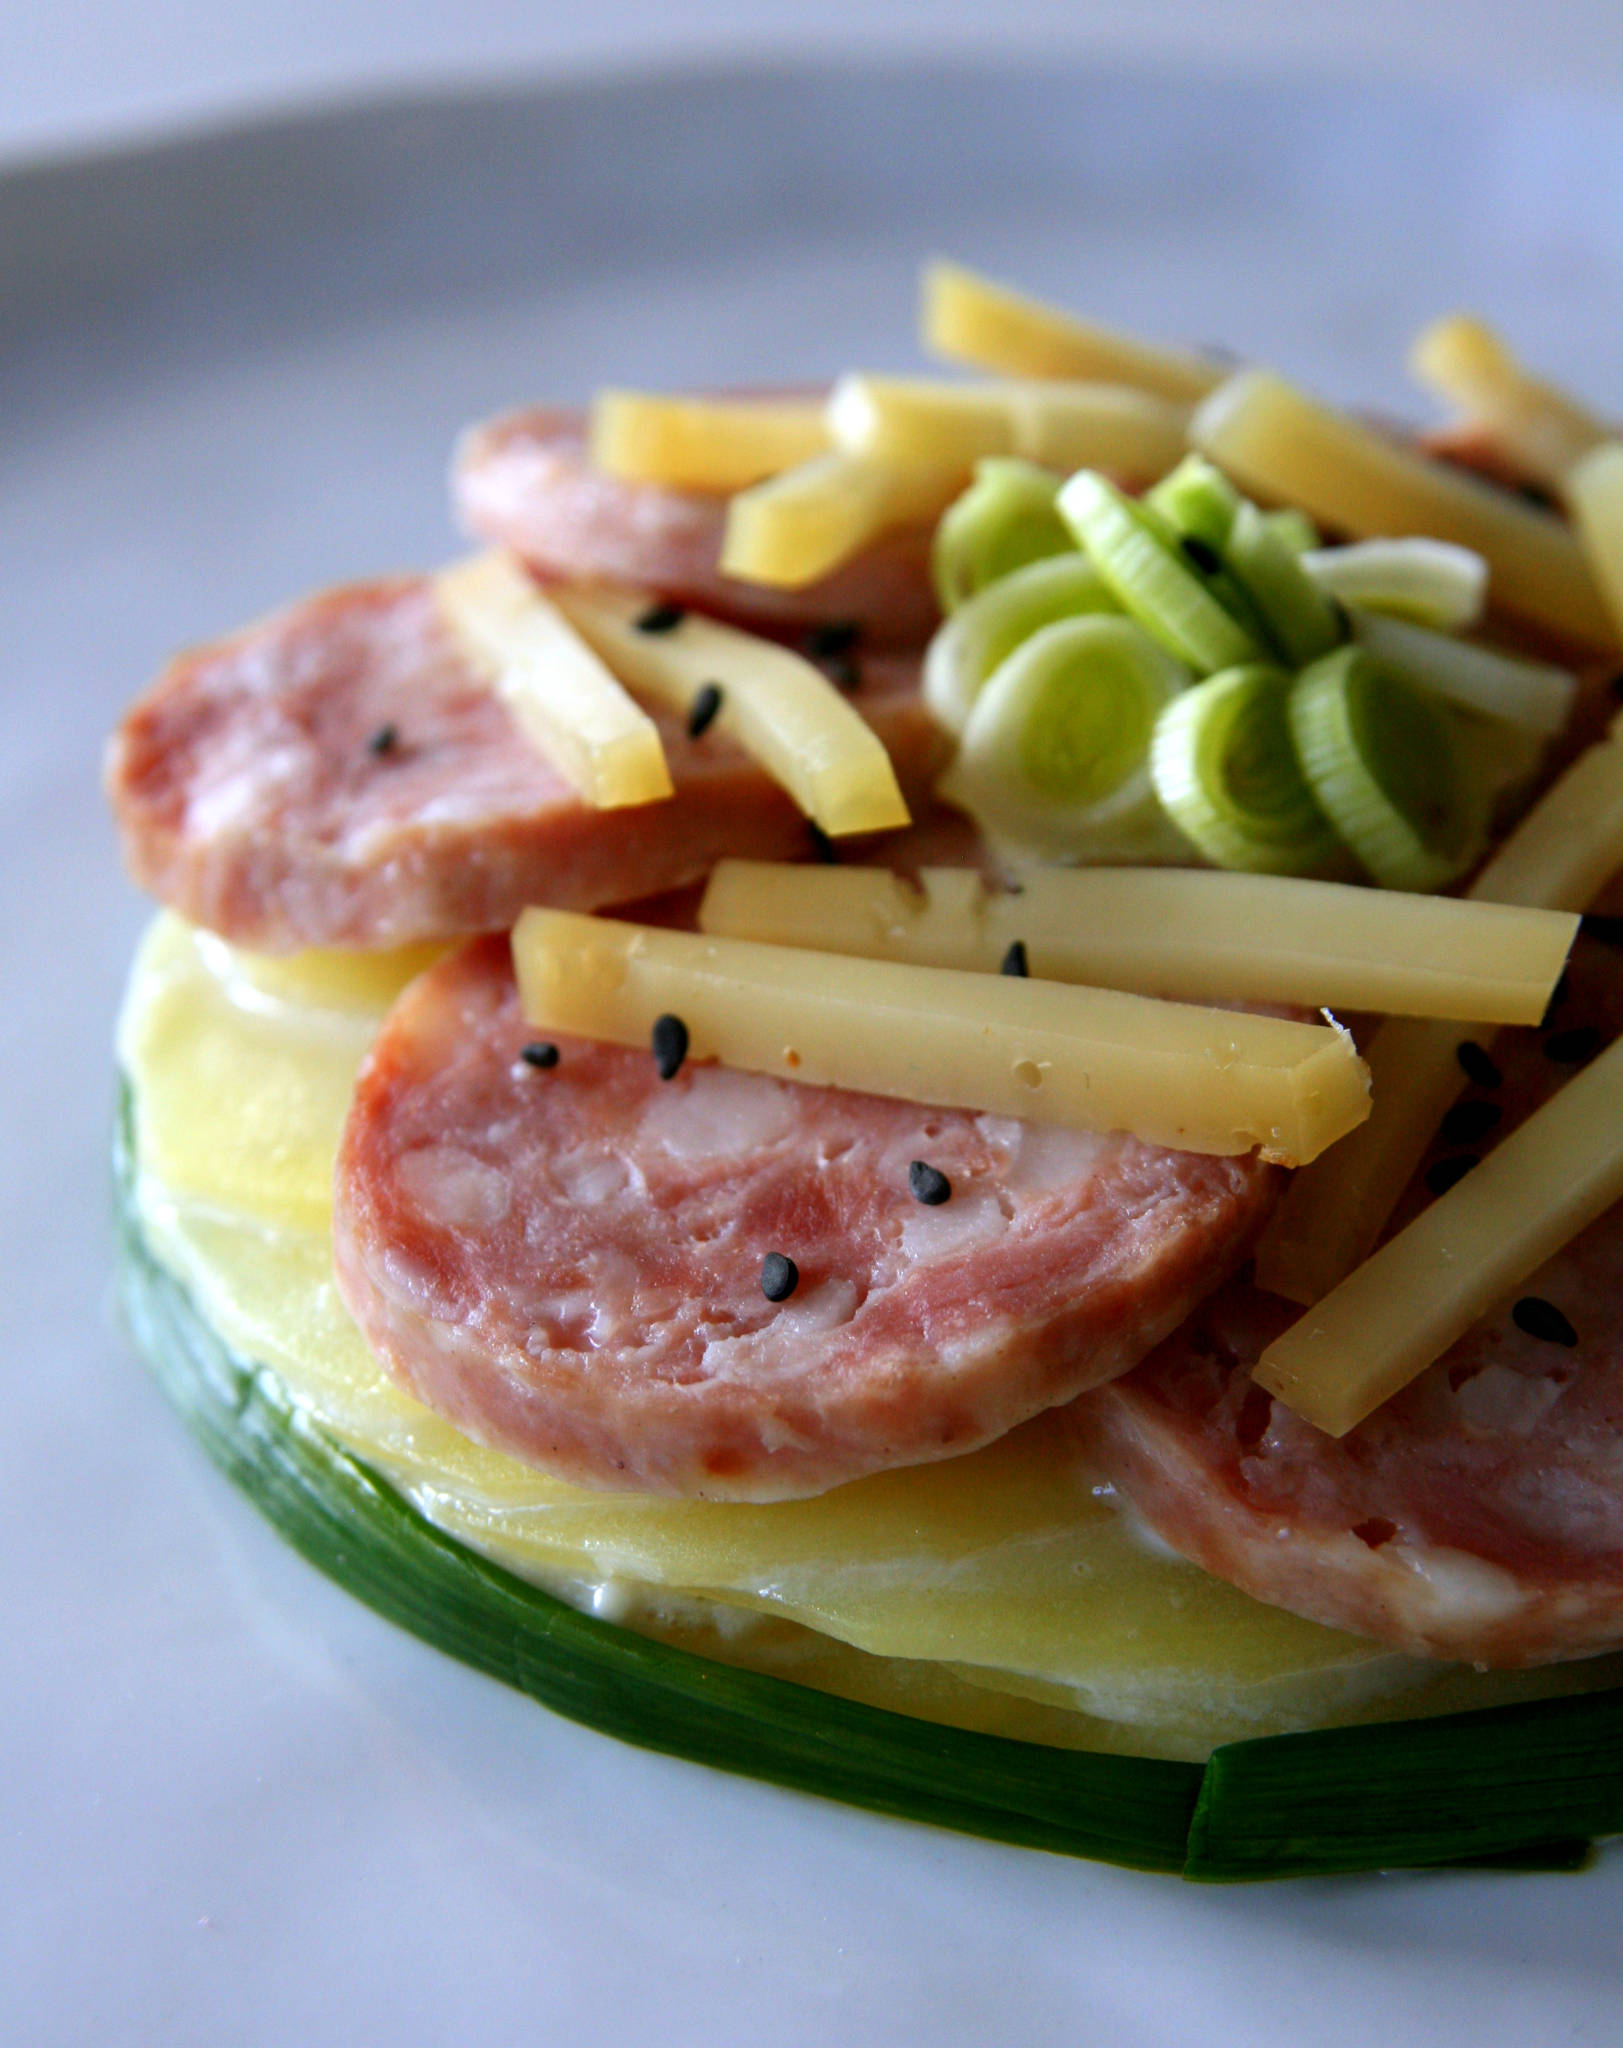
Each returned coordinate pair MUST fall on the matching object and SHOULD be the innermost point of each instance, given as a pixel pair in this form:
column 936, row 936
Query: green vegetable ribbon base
column 1521, row 1787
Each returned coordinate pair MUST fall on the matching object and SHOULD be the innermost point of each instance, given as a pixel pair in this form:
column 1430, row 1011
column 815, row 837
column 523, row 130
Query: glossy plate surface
column 237, row 1805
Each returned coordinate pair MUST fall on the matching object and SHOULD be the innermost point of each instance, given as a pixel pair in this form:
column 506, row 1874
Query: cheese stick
column 1197, row 1080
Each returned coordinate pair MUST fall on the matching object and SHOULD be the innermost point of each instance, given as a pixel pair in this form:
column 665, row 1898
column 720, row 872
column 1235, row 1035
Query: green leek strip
column 1387, row 772
column 1511, row 1788
column 1197, row 500
column 1005, row 519
column 1495, row 1783
column 1152, row 582
column 1055, row 754
column 1295, row 529
column 1300, row 620
column 984, row 632
column 1433, row 582
column 1523, row 693
column 352, row 1525
column 1225, row 770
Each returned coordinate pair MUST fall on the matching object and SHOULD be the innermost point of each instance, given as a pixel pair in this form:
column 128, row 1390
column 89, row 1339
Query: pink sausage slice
column 338, row 776
column 1480, row 1514
column 526, row 481
column 567, row 1262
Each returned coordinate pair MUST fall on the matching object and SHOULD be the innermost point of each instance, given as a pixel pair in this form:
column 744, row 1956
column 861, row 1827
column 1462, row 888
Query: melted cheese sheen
column 999, row 1591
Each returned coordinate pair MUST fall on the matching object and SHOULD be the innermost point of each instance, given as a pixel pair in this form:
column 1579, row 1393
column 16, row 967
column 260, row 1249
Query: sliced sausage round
column 337, row 775
column 527, row 482
column 1480, row 1513
column 572, row 1263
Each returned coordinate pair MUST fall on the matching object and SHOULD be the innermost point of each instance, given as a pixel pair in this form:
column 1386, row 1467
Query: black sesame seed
column 670, row 1042
column 780, row 1276
column 1201, row 552
column 1448, row 1173
column 384, row 741
column 661, row 618
column 1476, row 1066
column 1607, row 931
column 929, row 1184
column 1572, row 1048
column 1468, row 1123
column 1541, row 1318
column 839, row 636
column 543, row 1053
column 703, row 709
column 1014, row 961
column 821, row 845
column 1536, row 494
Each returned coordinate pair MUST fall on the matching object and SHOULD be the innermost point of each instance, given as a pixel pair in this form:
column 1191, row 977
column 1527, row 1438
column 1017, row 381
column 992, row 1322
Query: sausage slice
column 337, row 775
column 571, row 1261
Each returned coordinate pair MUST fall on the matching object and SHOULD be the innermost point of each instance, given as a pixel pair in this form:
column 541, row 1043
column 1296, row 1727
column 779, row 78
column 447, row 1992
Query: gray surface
column 236, row 1807
column 87, row 70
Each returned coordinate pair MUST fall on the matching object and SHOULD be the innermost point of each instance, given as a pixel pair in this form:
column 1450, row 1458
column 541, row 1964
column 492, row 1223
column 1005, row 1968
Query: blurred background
column 83, row 71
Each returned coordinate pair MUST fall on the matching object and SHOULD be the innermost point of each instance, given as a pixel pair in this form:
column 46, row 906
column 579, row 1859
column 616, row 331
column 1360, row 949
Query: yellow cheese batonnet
column 801, row 525
column 1425, row 1287
column 563, row 698
column 926, row 422
column 779, row 708
column 969, row 319
column 1198, row 1080
column 702, row 444
column 1332, row 1215
column 1542, row 430
column 1001, row 1590
column 1595, row 498
column 1189, row 933
column 1287, row 448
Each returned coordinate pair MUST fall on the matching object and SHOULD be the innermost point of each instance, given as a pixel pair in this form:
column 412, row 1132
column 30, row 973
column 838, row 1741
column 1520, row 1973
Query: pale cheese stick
column 1189, row 933
column 1404, row 1306
column 1198, row 1080
column 561, row 695
column 779, row 708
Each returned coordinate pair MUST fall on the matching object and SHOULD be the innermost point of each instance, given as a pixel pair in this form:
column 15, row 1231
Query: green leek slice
column 1055, row 755
column 1225, row 769
column 1005, row 519
column 1387, row 771
column 1475, row 1787
column 1137, row 555
column 986, row 630
column 1300, row 620
column 1295, row 529
column 1197, row 500
column 1434, row 582
column 1522, row 693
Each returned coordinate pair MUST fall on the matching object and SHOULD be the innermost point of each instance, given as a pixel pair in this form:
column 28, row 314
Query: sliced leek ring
column 1299, row 619
column 1006, row 519
column 985, row 632
column 1197, row 500
column 1055, row 755
column 1432, row 582
column 1224, row 766
column 1529, row 694
column 1386, row 770
column 1295, row 529
column 1139, row 560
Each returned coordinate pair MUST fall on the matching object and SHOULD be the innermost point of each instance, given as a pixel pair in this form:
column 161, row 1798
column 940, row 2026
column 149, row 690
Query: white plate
column 234, row 1805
